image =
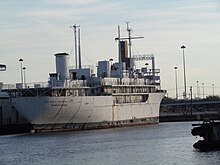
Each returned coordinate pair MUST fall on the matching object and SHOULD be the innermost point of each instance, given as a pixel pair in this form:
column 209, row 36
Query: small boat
column 210, row 131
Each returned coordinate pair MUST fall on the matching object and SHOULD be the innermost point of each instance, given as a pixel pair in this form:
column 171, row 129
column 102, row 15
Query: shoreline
column 188, row 117
column 26, row 128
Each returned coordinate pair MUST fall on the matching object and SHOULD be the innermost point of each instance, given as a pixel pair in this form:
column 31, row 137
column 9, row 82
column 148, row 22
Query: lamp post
column 145, row 73
column 213, row 90
column 184, row 71
column 197, row 82
column 175, row 68
column 203, row 91
column 191, row 99
column 21, row 60
column 146, row 64
column 24, row 68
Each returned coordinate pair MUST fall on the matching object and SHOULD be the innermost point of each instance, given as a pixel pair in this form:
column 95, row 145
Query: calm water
column 166, row 143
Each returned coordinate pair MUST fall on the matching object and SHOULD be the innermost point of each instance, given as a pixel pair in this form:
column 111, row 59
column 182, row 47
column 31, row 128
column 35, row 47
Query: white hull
column 85, row 109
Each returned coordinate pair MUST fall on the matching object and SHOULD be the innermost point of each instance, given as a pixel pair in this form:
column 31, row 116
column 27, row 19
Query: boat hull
column 86, row 112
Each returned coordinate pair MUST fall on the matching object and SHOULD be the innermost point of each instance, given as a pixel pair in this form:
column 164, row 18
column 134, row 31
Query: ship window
column 83, row 77
column 102, row 90
column 63, row 93
column 74, row 75
column 145, row 98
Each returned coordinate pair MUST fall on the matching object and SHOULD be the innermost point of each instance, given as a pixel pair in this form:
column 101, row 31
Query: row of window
column 130, row 99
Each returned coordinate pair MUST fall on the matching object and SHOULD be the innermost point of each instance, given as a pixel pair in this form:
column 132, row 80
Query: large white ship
column 119, row 94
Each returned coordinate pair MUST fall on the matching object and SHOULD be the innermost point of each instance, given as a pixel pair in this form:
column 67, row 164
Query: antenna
column 75, row 27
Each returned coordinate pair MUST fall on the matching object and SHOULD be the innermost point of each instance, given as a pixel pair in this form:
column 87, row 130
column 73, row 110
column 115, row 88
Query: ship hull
column 58, row 127
column 86, row 112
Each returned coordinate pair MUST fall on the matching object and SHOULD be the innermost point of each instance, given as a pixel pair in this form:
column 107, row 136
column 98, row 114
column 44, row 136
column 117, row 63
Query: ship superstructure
column 75, row 98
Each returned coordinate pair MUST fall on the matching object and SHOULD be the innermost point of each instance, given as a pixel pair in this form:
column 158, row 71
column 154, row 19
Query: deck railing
column 24, row 85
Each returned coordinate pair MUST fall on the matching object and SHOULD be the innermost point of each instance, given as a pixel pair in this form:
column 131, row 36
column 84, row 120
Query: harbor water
column 166, row 143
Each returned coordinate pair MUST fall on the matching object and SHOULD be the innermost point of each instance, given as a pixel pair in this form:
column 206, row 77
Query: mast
column 129, row 48
column 75, row 27
column 80, row 64
column 129, row 38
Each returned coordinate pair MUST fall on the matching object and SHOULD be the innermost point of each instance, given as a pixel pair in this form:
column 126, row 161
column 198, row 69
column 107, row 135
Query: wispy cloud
column 73, row 2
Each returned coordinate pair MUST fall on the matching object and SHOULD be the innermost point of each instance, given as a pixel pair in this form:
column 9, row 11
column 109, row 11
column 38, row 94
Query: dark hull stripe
column 99, row 125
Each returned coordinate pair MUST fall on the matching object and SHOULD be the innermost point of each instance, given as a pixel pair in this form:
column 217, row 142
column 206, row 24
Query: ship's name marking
column 56, row 101
column 56, row 105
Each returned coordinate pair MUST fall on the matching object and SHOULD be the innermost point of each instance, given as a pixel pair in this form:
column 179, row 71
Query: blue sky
column 36, row 30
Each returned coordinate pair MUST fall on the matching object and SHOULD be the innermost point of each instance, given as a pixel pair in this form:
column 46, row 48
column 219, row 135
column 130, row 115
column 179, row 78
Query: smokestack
column 62, row 66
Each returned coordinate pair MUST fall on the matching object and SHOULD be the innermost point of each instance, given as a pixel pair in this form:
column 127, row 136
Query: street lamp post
column 175, row 68
column 24, row 68
column 197, row 82
column 184, row 71
column 191, row 99
column 203, row 91
column 213, row 90
column 146, row 72
column 21, row 60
